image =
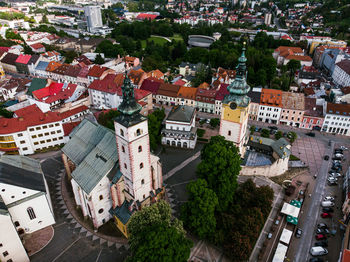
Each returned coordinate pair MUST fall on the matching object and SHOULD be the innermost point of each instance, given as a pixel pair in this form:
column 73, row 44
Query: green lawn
column 176, row 37
column 156, row 40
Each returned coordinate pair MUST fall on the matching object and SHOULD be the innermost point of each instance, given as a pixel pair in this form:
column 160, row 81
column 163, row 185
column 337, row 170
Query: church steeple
column 239, row 88
column 129, row 106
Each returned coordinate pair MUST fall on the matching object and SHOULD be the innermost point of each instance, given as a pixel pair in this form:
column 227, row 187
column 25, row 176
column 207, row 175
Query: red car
column 321, row 236
column 326, row 215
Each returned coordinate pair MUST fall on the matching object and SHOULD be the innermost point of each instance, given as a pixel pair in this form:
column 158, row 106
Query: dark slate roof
column 130, row 120
column 36, row 84
column 181, row 114
column 33, row 59
column 122, row 212
column 9, row 59
column 254, row 96
column 2, row 205
column 22, row 178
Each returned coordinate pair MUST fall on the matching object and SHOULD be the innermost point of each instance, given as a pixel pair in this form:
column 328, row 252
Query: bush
column 265, row 133
column 293, row 158
column 252, row 130
column 214, row 122
column 200, row 132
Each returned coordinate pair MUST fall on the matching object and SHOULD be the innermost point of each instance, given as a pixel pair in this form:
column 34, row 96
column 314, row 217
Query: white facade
column 93, row 17
column 340, row 77
column 104, row 100
column 134, row 159
column 337, row 124
column 11, row 247
column 180, row 134
column 269, row 114
column 96, row 204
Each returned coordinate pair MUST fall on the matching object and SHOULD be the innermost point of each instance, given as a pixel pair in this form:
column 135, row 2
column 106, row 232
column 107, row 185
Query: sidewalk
column 68, row 198
column 36, row 241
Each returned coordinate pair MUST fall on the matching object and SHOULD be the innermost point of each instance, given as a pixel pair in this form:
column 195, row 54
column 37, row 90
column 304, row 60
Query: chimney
column 20, row 118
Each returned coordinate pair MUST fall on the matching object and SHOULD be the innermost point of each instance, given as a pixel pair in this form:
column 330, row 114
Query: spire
column 129, row 106
column 241, row 67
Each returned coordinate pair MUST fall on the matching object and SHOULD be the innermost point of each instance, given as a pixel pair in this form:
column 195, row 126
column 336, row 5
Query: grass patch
column 176, row 37
column 156, row 40
column 291, row 173
column 293, row 158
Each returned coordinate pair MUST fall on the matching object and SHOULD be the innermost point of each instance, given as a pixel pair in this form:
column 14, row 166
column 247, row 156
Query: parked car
column 336, row 158
column 322, row 225
column 326, row 215
column 322, row 231
column 332, row 183
column 311, row 134
column 298, row 232
column 320, row 236
column 273, row 131
column 318, row 251
column 327, row 204
column 335, row 175
column 328, row 198
column 273, row 127
column 328, row 210
column 332, row 179
column 339, row 149
column 269, row 235
column 338, row 162
column 343, row 148
column 277, row 222
column 316, row 259
column 338, row 155
column 326, row 157
column 322, row 243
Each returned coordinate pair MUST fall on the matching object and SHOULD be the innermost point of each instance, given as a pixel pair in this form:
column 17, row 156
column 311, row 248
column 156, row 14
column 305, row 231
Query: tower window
column 123, row 149
column 229, row 133
column 126, row 167
column 31, row 213
column 140, row 148
column 100, row 211
column 138, row 132
column 121, row 132
column 142, row 181
column 144, row 196
column 141, row 165
column 16, row 224
column 100, row 197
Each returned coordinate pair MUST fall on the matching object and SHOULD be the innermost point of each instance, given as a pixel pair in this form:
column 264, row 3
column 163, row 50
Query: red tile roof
column 222, row 92
column 97, row 71
column 23, row 59
column 72, row 112
column 180, row 82
column 146, row 16
column 338, row 109
column 140, row 94
column 110, row 84
column 64, row 94
column 271, row 97
column 206, row 96
column 68, row 127
column 50, row 90
column 345, row 256
column 150, row 85
column 37, row 46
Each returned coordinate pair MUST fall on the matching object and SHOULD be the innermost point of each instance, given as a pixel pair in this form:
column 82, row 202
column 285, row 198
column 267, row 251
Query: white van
column 327, row 204
column 318, row 251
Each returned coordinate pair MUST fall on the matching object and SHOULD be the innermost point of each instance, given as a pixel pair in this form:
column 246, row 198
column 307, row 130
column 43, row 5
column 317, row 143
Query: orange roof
column 299, row 57
column 271, row 97
column 53, row 65
column 288, row 50
column 346, row 256
column 204, row 85
column 187, row 92
column 156, row 74
column 130, row 59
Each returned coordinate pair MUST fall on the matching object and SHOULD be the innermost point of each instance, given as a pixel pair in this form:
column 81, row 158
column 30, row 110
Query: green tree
column 293, row 66
column 214, row 122
column 154, row 127
column 265, row 133
column 99, row 60
column 107, row 119
column 44, row 20
column 220, row 167
column 5, row 113
column 252, row 130
column 155, row 236
column 278, row 135
column 198, row 212
column 292, row 136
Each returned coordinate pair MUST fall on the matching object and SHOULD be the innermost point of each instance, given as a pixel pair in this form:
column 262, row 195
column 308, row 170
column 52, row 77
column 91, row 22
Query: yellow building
column 235, row 108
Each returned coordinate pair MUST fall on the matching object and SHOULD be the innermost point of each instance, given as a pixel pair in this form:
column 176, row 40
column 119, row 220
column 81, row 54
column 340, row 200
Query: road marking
column 64, row 251
column 181, row 166
column 99, row 254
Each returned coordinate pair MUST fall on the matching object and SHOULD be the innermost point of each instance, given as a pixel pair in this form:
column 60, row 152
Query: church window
column 126, row 167
column 141, row 165
column 229, row 133
column 140, row 148
column 123, row 149
column 144, row 196
column 138, row 132
column 100, row 211
column 31, row 213
column 16, row 224
column 121, row 132
column 100, row 197
column 142, row 181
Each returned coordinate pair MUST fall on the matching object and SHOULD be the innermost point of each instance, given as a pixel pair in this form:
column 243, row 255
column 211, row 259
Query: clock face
column 233, row 105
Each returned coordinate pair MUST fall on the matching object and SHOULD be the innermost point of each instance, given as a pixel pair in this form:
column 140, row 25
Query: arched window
column 138, row 132
column 140, row 148
column 126, row 167
column 31, row 213
column 229, row 133
column 121, row 132
column 142, row 181
column 123, row 149
column 141, row 165
column 100, row 197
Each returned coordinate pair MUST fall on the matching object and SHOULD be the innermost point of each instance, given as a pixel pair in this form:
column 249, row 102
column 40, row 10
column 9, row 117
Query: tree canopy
column 154, row 127
column 220, row 167
column 155, row 236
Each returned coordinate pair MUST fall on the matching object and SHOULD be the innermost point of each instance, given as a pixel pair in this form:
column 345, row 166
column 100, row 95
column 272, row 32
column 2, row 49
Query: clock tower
column 235, row 107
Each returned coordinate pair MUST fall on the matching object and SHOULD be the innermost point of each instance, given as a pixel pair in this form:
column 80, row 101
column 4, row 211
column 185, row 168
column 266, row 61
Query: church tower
column 131, row 129
column 235, row 107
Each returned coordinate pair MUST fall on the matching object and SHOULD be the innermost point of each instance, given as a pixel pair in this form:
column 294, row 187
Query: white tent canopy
column 286, row 236
column 280, row 253
column 290, row 210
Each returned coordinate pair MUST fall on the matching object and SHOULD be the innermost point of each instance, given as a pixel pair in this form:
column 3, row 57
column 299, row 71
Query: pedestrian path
column 181, row 166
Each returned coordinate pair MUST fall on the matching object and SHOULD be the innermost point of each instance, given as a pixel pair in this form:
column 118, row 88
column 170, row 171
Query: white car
column 335, row 175
column 343, row 148
column 328, row 198
column 339, row 155
column 332, row 179
column 318, row 251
